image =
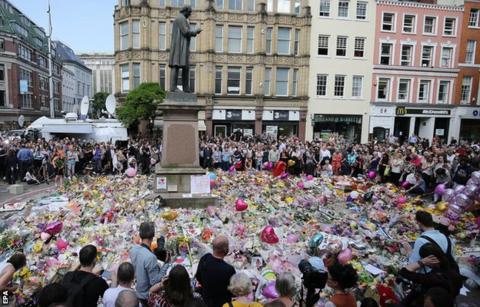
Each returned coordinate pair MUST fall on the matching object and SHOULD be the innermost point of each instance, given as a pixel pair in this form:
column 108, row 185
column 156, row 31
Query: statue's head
column 186, row 11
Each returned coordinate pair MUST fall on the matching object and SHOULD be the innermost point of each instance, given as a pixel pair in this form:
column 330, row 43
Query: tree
column 98, row 104
column 141, row 106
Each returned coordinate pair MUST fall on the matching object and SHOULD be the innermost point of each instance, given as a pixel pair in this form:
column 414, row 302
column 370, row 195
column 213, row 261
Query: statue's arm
column 186, row 29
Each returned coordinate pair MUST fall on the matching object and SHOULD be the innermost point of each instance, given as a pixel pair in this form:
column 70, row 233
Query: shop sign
column 440, row 132
column 280, row 115
column 234, row 115
column 23, row 87
column 352, row 119
column 271, row 130
column 400, row 111
column 475, row 113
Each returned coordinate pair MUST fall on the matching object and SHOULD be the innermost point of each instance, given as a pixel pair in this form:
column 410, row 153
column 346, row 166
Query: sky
column 85, row 25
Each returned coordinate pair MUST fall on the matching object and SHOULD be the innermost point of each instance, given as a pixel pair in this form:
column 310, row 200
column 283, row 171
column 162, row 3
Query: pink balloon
column 131, row 172
column 45, row 236
column 292, row 238
column 240, row 205
column 231, row 169
column 309, row 177
column 268, row 235
column 61, row 245
column 372, row 174
column 440, row 189
column 405, row 185
column 269, row 291
column 345, row 256
column 300, row 185
column 284, row 175
column 401, row 200
column 54, row 228
column 212, row 184
column 270, row 165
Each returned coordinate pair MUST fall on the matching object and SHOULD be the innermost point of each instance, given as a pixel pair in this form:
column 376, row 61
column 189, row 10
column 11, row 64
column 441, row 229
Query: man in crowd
column 213, row 274
column 125, row 277
column 126, row 298
column 25, row 159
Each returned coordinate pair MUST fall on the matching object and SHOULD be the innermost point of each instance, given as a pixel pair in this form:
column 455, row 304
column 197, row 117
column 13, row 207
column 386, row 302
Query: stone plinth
column 15, row 189
column 180, row 154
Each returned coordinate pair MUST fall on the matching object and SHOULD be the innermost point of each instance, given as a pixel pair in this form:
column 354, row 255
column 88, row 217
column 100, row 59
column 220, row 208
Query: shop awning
column 73, row 129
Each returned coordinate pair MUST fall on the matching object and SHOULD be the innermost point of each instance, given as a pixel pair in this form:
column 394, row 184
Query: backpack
column 76, row 291
column 451, row 261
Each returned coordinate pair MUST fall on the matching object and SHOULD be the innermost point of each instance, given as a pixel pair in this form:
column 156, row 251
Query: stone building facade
column 250, row 65
column 103, row 72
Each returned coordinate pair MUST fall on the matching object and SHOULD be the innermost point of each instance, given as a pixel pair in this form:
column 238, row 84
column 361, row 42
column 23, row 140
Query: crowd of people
column 40, row 161
column 152, row 278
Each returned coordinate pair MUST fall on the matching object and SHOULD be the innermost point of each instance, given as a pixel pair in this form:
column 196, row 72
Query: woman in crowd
column 7, row 269
column 241, row 287
column 341, row 278
column 58, row 162
column 286, row 288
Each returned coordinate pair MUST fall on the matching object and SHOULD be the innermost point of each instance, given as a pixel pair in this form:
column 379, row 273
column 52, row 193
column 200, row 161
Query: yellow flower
column 37, row 247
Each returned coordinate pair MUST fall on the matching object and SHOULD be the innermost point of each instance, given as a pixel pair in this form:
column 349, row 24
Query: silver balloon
column 476, row 177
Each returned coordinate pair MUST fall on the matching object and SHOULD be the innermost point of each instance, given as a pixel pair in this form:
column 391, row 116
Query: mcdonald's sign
column 401, row 111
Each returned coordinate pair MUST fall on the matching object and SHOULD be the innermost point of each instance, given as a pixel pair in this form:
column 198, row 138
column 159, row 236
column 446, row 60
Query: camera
column 312, row 278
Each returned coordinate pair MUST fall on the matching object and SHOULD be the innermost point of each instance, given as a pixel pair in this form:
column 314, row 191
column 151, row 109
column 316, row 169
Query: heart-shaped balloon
column 440, row 189
column 61, row 245
column 268, row 235
column 241, row 205
column 345, row 256
column 401, row 200
column 300, row 185
column 269, row 291
column 54, row 228
column 316, row 240
column 284, row 175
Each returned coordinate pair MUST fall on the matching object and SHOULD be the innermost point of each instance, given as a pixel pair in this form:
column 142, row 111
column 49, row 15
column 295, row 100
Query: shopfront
column 349, row 126
column 468, row 123
column 278, row 123
column 382, row 122
column 227, row 121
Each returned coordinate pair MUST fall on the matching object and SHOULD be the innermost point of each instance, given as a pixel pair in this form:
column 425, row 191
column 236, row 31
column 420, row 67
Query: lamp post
column 50, row 64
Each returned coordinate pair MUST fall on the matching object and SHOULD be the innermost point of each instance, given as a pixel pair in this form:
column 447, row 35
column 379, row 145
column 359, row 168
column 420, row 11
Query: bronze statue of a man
column 180, row 49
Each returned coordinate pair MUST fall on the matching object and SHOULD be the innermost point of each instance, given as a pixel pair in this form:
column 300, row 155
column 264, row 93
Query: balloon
column 54, row 228
column 279, row 168
column 441, row 206
column 471, row 182
column 45, row 236
column 315, row 241
column 345, row 256
column 265, row 165
column 131, row 172
column 440, row 189
column 284, row 175
column 309, row 177
column 405, row 184
column 401, row 200
column 459, row 189
column 452, row 215
column 212, row 183
column 354, row 194
column 455, row 208
column 372, row 174
column 448, row 195
column 291, row 163
column 292, row 238
column 212, row 176
column 476, row 177
column 240, row 205
column 470, row 190
column 170, row 215
column 231, row 169
column 61, row 245
column 270, row 165
column 268, row 235
column 300, row 185
column 269, row 291
column 463, row 201
column 238, row 165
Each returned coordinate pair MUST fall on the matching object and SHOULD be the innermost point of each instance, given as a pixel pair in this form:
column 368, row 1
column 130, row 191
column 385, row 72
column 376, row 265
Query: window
column 266, row 83
column 388, row 22
column 268, row 37
column 409, row 23
column 427, row 54
column 251, row 5
column 443, row 91
column 218, row 80
column 359, row 51
column 339, row 86
column 125, row 2
column 295, row 83
column 341, row 45
column 235, row 5
column 470, row 53
column 234, row 39
column 449, row 28
column 466, row 89
column 321, row 85
column 282, row 82
column 357, row 83
column 361, row 10
column 125, row 73
column 430, row 25
column 298, row 8
column 162, row 76
column 383, row 88
column 248, row 81
column 233, row 80
column 424, row 91
column 322, row 45
column 193, row 39
column 2, row 72
column 296, row 46
column 136, row 75
column 447, row 55
column 162, row 36
column 403, row 90
column 219, row 38
column 250, row 41
column 25, row 53
column 324, row 8
column 136, row 34
column 343, row 8
column 270, row 6
column 407, row 52
column 283, row 43
column 386, row 54
column 2, row 44
column 283, row 6
column 27, row 101
column 161, row 3
column 2, row 98
column 474, row 20
column 219, row 4
column 177, row 3
column 191, row 78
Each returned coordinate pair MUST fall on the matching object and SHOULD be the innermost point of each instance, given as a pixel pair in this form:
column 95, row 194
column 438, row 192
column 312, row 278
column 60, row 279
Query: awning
column 74, row 129
column 202, row 126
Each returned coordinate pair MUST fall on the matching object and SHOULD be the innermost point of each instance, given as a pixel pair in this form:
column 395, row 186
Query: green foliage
column 141, row 103
column 98, row 103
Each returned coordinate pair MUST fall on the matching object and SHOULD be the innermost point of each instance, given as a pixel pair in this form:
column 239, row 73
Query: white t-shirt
column 110, row 296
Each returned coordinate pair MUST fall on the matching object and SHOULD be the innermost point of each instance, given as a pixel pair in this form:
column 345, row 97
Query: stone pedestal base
column 15, row 189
